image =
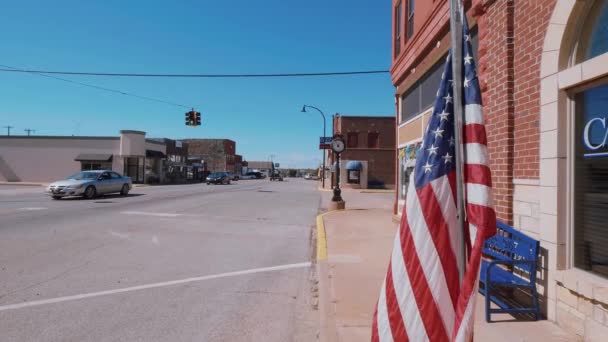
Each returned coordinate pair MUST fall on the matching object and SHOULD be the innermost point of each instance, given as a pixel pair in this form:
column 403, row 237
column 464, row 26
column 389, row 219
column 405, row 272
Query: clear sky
column 205, row 36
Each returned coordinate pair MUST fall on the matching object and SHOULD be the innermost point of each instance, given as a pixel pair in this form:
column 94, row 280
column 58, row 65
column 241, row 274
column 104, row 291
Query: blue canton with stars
column 436, row 156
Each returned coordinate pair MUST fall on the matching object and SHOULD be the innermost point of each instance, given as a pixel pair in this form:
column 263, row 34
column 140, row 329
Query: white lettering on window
column 586, row 134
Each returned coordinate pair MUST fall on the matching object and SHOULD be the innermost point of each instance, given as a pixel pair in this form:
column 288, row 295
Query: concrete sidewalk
column 358, row 245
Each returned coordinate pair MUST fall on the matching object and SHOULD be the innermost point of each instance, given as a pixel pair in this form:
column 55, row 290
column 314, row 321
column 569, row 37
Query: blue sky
column 261, row 115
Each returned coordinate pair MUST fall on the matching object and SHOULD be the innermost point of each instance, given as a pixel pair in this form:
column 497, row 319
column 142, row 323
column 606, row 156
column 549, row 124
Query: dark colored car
column 218, row 178
column 254, row 175
column 276, row 176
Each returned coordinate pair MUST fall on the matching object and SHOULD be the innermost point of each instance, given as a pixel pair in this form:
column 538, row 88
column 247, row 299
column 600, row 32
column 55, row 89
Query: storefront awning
column 354, row 165
column 155, row 154
column 93, row 157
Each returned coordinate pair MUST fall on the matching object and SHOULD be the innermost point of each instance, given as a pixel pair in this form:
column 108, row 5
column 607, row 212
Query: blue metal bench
column 513, row 266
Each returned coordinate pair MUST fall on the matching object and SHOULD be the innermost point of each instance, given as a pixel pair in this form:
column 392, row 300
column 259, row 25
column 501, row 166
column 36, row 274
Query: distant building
column 218, row 154
column 369, row 158
column 238, row 164
column 175, row 167
column 263, row 166
column 49, row 158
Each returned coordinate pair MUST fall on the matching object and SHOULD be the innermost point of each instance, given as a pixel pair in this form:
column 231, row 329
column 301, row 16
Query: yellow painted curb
column 321, row 239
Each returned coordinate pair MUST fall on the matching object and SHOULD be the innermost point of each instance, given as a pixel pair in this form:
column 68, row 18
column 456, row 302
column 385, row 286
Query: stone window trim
column 560, row 78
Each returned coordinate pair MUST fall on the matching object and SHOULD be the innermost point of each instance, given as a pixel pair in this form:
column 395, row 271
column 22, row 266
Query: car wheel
column 208, row 183
column 125, row 190
column 56, row 197
column 90, row 192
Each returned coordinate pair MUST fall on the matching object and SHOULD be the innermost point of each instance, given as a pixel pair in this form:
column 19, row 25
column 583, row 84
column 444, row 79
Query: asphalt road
column 166, row 263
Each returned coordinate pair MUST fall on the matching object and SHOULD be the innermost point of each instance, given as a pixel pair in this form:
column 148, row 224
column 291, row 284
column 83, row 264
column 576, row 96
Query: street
column 166, row 263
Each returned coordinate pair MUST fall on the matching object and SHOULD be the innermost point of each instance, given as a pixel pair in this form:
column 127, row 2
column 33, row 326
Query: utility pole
column 29, row 131
column 8, row 130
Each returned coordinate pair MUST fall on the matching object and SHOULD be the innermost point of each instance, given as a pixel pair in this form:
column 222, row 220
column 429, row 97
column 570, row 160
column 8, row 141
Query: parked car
column 90, row 184
column 233, row 176
column 253, row 175
column 218, row 178
column 276, row 176
column 248, row 175
column 310, row 176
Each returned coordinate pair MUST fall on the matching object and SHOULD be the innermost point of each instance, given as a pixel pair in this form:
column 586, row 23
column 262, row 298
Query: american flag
column 421, row 298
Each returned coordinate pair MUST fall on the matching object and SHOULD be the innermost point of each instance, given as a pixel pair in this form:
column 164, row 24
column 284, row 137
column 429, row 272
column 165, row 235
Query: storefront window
column 591, row 181
column 353, row 176
column 407, row 162
column 134, row 168
column 95, row 165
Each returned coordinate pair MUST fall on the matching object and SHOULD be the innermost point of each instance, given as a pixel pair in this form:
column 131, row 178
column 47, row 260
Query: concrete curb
column 327, row 323
column 23, row 183
column 378, row 191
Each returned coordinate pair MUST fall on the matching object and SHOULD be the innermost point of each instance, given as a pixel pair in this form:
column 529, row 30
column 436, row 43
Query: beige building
column 48, row 158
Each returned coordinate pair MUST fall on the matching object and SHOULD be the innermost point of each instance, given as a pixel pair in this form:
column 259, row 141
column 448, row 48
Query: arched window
column 590, row 149
column 594, row 38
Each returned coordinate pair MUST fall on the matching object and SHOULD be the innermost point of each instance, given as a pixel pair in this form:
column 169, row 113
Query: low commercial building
column 264, row 167
column 369, row 158
column 48, row 158
column 175, row 167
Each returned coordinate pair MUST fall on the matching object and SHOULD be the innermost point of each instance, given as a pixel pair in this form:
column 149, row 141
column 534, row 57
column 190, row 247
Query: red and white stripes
column 421, row 298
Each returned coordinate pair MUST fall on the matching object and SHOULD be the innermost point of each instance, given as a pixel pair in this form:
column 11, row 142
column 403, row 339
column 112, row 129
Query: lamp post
column 324, row 133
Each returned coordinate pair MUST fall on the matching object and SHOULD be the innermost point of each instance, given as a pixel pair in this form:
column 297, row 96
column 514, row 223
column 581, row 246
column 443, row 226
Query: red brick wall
column 510, row 49
column 381, row 160
column 529, row 38
column 496, row 74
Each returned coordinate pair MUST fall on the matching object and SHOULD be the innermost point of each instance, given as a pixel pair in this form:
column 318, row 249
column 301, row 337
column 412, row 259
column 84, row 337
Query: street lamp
column 324, row 133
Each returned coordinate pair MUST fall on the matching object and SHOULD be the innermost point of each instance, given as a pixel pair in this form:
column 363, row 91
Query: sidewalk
column 358, row 246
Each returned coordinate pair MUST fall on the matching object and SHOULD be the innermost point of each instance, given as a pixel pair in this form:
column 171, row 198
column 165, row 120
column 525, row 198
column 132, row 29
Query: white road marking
column 153, row 285
column 119, row 235
column 143, row 213
column 33, row 208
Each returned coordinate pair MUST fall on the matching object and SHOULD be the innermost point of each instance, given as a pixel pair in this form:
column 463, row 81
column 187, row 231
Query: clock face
column 337, row 145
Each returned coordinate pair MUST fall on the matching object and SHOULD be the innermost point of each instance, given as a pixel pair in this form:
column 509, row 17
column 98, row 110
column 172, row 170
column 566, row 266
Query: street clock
column 337, row 145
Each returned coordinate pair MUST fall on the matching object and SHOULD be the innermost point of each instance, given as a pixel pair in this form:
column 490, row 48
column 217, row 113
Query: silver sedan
column 90, row 184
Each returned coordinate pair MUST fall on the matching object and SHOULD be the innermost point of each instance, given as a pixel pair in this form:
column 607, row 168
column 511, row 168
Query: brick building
column 543, row 70
column 369, row 158
column 238, row 164
column 217, row 154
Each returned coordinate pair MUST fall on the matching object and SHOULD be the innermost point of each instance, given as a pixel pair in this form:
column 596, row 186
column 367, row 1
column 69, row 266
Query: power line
column 42, row 73
column 112, row 74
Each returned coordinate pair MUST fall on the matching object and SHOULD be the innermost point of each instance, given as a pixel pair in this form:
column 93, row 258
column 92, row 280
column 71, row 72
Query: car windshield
column 217, row 174
column 84, row 175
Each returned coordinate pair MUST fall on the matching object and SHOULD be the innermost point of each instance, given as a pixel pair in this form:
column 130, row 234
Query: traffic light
column 193, row 118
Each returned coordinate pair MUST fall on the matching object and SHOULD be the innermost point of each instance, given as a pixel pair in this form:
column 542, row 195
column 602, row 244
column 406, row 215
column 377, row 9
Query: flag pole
column 456, row 40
